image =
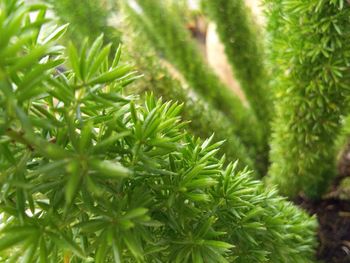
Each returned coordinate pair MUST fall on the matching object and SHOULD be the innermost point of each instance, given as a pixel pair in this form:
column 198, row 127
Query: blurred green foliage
column 87, row 18
column 244, row 48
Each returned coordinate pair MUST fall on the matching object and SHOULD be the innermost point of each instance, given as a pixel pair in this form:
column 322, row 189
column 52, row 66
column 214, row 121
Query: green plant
column 244, row 44
column 311, row 78
column 89, row 175
column 204, row 120
column 86, row 18
column 166, row 33
column 310, row 47
column 244, row 48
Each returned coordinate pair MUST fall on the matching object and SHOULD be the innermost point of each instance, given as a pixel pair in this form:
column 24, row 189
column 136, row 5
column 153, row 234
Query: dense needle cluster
column 311, row 48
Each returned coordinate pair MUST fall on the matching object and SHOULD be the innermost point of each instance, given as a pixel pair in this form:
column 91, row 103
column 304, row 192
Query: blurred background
column 93, row 17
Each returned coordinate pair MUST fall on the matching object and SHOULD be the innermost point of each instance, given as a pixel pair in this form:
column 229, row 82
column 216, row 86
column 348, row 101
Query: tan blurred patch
column 257, row 10
column 217, row 59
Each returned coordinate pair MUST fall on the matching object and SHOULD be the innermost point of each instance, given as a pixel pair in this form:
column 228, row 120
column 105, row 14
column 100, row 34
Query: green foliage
column 203, row 119
column 86, row 18
column 310, row 47
column 88, row 175
column 168, row 35
column 243, row 47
